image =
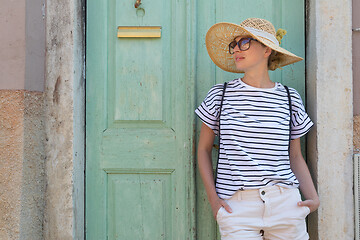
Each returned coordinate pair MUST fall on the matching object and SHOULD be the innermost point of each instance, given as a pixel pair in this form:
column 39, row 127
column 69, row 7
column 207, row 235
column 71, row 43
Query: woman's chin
column 240, row 68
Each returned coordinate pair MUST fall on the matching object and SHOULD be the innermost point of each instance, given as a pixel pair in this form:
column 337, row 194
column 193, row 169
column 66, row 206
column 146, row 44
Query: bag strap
column 221, row 103
column 290, row 110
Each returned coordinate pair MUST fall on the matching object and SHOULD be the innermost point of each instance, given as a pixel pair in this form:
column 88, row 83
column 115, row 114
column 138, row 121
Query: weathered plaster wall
column 330, row 98
column 356, row 55
column 357, row 134
column 22, row 157
column 35, row 45
column 12, row 44
column 33, row 167
column 356, row 78
column 22, row 45
column 64, row 108
column 21, row 164
column 11, row 151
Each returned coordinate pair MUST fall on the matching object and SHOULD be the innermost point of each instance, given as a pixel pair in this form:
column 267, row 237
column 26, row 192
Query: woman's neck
column 258, row 79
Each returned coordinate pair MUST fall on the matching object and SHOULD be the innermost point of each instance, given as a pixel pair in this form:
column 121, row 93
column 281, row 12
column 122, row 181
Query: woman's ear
column 268, row 52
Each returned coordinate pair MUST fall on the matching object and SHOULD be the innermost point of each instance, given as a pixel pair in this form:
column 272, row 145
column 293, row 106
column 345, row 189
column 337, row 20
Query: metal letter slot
column 142, row 32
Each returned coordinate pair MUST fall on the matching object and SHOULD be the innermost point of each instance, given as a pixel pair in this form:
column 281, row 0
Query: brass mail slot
column 135, row 32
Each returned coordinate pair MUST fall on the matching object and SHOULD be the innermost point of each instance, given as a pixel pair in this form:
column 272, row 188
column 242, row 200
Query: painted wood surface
column 139, row 173
column 141, row 130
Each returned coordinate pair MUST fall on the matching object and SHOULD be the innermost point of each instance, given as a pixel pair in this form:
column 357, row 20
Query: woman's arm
column 301, row 171
column 206, row 142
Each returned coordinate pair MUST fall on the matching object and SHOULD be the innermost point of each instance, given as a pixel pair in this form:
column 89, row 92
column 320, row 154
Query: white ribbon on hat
column 263, row 34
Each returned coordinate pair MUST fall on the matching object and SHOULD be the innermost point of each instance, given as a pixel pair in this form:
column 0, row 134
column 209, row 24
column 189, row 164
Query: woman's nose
column 236, row 48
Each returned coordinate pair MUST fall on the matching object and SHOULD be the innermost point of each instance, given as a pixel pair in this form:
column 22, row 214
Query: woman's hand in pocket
column 312, row 204
column 217, row 204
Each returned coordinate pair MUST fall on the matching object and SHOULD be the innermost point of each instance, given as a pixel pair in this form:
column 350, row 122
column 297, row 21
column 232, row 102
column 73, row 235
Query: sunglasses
column 243, row 44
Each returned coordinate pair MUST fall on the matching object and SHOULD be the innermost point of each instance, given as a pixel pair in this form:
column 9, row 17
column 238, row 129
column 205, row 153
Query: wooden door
column 139, row 177
column 288, row 15
column 140, row 99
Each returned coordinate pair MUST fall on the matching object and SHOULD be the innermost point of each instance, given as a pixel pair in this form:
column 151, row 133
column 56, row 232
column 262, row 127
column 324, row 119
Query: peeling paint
column 56, row 92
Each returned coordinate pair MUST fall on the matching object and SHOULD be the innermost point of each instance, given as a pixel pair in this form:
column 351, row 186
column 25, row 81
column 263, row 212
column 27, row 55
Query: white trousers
column 267, row 213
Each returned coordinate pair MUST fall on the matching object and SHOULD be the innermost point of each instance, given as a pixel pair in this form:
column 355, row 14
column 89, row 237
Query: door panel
column 288, row 15
column 140, row 67
column 139, row 148
column 144, row 197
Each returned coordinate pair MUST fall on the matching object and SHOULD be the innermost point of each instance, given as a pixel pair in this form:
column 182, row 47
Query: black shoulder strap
column 221, row 103
column 290, row 110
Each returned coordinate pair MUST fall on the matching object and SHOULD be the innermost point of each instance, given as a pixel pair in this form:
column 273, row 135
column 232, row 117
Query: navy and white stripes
column 254, row 134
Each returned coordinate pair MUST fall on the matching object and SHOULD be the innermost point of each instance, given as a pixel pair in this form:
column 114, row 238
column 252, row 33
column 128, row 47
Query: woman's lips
column 239, row 58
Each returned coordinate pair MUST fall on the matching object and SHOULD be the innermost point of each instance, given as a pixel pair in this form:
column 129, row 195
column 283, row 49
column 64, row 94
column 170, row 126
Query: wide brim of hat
column 220, row 35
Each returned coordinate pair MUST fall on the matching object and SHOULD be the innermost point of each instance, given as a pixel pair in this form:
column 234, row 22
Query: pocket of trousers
column 218, row 213
column 305, row 211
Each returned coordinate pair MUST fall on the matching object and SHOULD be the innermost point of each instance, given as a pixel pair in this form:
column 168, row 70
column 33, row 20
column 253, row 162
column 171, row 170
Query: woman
column 259, row 170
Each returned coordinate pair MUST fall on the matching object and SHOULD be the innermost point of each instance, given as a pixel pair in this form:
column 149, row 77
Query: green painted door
column 285, row 14
column 141, row 177
column 139, row 121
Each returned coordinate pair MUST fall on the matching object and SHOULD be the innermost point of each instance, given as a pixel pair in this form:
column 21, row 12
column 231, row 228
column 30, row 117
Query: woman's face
column 256, row 56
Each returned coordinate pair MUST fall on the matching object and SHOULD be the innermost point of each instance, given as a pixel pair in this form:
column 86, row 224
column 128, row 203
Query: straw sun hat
column 220, row 35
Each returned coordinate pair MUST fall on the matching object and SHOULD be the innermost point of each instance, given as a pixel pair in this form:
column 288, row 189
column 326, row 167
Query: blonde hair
column 274, row 61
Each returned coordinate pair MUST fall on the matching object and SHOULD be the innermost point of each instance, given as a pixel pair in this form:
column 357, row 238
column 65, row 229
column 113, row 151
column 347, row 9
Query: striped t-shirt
column 254, row 134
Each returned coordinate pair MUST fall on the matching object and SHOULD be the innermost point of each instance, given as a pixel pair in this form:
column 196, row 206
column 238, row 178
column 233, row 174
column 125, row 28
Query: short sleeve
column 209, row 109
column 300, row 121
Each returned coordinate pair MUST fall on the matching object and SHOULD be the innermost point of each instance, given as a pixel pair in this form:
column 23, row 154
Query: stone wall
column 65, row 123
column 330, row 105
